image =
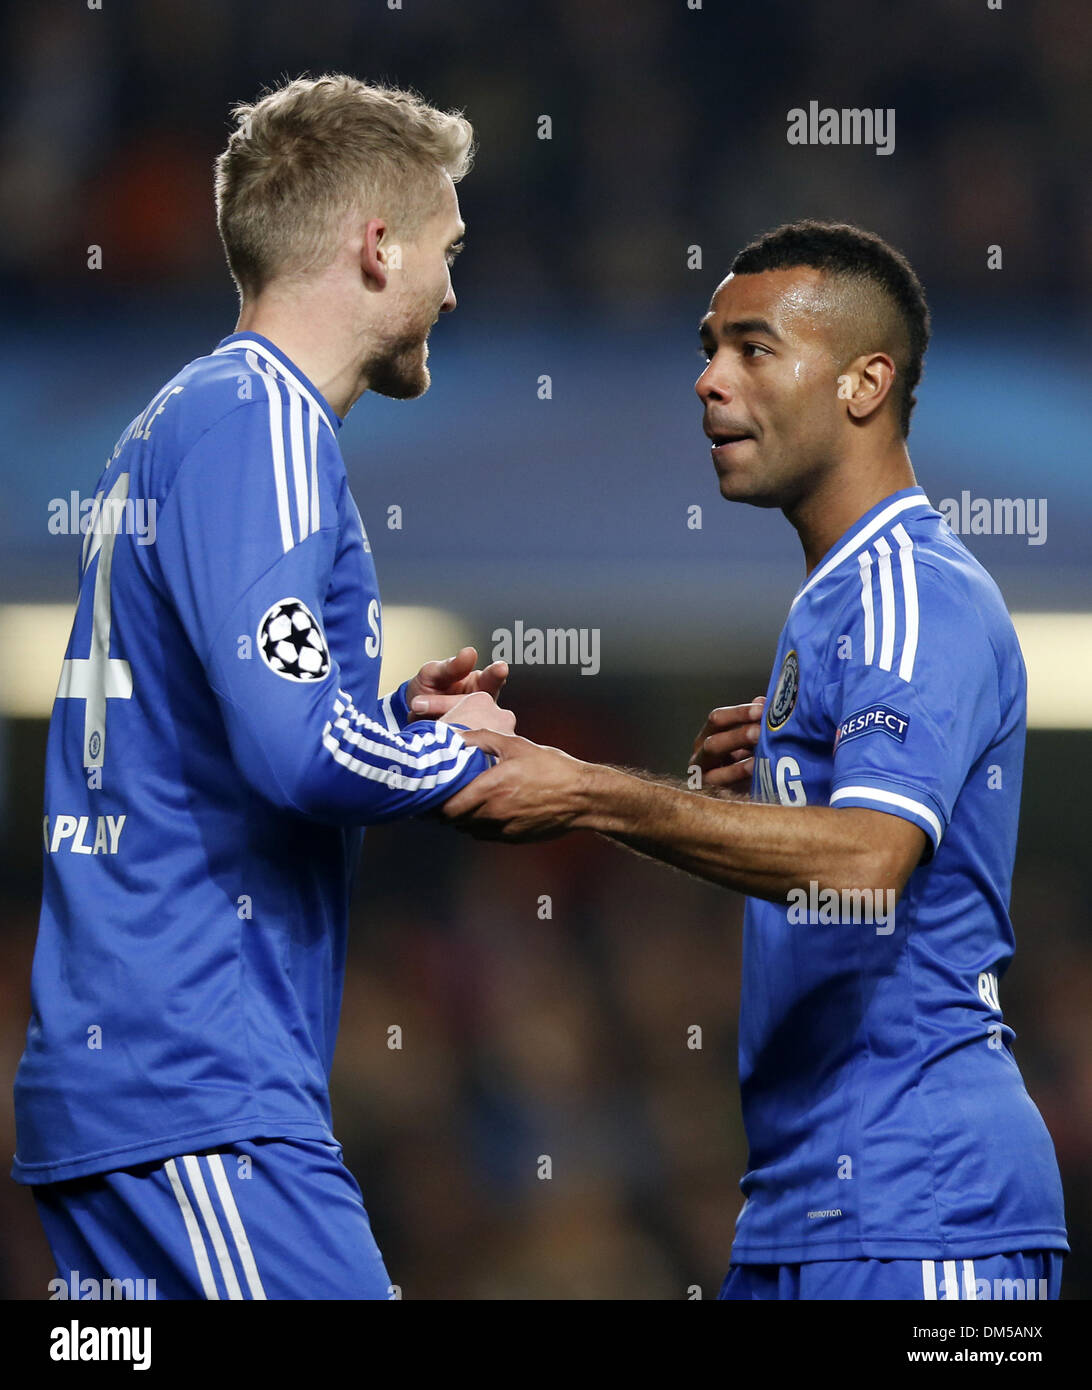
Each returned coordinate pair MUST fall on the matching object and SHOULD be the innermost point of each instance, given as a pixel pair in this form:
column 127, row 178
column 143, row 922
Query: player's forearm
column 396, row 780
column 754, row 848
column 343, row 766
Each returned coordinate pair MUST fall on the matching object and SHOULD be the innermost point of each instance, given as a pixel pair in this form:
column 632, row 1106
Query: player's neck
column 843, row 496
column 309, row 338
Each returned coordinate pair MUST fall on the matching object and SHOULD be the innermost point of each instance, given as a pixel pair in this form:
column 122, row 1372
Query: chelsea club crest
column 784, row 699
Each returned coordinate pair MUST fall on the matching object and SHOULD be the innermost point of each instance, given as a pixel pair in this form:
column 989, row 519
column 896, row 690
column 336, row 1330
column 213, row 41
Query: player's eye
column 757, row 347
column 453, row 251
column 705, row 352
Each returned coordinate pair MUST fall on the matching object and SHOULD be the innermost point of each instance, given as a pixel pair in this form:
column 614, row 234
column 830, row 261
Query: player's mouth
column 722, row 443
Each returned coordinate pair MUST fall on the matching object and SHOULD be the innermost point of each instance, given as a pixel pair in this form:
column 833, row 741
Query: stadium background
column 567, row 1037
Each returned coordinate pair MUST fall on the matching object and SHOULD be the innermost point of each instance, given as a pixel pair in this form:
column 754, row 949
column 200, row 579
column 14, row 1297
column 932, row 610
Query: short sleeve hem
column 897, row 800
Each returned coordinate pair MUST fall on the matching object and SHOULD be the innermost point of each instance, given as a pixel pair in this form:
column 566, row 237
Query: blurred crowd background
column 566, row 1035
column 668, row 124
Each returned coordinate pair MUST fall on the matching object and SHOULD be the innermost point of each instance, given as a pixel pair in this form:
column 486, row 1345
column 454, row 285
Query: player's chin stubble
column 755, row 490
column 401, row 372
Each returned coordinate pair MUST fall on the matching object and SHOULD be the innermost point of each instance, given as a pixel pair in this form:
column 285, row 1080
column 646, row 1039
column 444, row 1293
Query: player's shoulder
column 903, row 580
column 212, row 393
column 904, row 551
column 204, row 396
column 955, row 585
column 244, row 403
column 236, row 387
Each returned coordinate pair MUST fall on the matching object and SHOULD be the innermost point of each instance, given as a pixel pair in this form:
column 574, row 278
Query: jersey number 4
column 99, row 677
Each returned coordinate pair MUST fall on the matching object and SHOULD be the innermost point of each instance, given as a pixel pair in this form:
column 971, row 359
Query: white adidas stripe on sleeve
column 891, row 622
column 910, row 601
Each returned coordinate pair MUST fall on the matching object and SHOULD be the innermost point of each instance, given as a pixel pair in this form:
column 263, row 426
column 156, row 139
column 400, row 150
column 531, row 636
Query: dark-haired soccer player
column 894, row 1151
column 218, row 737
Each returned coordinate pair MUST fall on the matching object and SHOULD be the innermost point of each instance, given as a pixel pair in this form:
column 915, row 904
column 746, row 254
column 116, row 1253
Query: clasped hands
column 538, row 793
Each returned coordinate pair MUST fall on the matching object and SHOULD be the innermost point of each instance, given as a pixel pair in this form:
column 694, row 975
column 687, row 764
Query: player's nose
column 711, row 386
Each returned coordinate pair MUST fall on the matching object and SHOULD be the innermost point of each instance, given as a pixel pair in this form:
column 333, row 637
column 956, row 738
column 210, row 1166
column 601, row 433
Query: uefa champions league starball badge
column 291, row 642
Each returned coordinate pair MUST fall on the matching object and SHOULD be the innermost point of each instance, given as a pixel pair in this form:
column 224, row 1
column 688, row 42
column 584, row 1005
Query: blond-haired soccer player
column 218, row 737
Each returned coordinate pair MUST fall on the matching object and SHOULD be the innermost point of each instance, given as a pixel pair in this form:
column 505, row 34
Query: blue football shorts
column 258, row 1219
column 1023, row 1275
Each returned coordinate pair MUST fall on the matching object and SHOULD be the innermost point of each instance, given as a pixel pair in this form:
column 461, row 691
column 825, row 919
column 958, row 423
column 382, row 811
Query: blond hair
column 310, row 153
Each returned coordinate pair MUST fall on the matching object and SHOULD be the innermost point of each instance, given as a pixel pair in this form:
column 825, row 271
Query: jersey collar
column 898, row 504
column 271, row 353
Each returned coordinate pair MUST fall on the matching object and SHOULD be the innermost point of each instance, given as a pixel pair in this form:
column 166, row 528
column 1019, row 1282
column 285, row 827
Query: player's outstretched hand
column 438, row 684
column 479, row 711
column 724, row 750
column 533, row 792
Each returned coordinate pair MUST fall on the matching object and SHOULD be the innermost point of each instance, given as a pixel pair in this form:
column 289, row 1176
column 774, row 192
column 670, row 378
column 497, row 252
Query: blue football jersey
column 885, row 1113
column 216, row 744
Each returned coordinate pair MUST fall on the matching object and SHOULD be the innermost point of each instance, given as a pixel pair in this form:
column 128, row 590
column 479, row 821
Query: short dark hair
column 864, row 258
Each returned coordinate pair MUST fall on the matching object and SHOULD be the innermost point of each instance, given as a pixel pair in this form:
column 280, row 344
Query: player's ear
column 374, row 254
column 866, row 384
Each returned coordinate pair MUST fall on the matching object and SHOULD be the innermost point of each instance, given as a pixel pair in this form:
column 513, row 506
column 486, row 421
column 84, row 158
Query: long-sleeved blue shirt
column 216, row 745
